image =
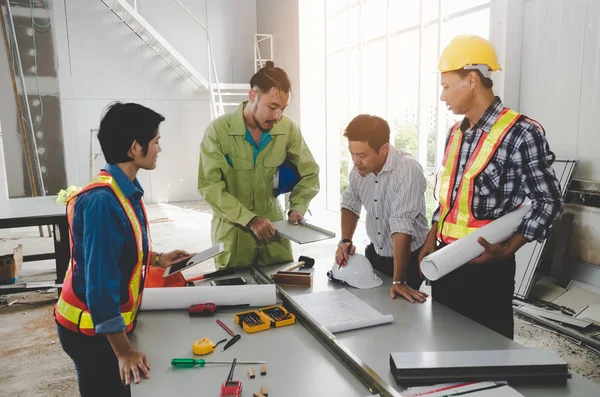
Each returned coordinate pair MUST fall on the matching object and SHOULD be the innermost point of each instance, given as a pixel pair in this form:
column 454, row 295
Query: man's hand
column 408, row 293
column 428, row 248
column 343, row 253
column 295, row 217
column 262, row 228
column 492, row 253
column 133, row 361
column 170, row 258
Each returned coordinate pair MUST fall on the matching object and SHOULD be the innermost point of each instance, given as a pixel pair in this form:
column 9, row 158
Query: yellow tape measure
column 204, row 346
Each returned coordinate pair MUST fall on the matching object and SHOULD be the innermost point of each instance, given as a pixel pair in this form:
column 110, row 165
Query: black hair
column 124, row 123
column 485, row 81
column 371, row 129
column 268, row 77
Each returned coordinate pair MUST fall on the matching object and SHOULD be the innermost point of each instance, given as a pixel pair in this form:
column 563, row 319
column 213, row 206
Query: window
column 381, row 58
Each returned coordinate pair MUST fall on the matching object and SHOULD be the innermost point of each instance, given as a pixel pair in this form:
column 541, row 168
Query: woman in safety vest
column 110, row 254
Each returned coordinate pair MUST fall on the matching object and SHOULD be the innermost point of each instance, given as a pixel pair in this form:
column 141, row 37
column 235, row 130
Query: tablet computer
column 194, row 260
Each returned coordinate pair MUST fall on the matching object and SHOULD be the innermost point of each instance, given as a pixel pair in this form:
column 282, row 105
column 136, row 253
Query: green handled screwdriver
column 192, row 362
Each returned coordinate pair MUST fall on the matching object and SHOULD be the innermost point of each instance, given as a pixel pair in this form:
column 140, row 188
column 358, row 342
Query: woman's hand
column 170, row 258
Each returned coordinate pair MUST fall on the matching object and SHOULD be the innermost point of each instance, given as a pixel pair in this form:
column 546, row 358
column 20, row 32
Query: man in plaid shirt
column 494, row 159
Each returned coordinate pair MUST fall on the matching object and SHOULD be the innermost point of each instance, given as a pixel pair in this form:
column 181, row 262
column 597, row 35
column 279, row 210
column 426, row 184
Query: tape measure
column 204, row 346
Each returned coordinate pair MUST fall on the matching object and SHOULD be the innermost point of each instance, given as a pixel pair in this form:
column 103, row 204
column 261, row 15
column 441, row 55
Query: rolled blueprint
column 184, row 297
column 453, row 256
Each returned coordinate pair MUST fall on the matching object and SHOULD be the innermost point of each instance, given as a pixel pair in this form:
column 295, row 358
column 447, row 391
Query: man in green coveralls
column 239, row 155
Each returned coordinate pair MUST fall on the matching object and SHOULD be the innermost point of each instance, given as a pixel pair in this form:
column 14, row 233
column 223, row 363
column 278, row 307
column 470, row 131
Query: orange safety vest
column 456, row 217
column 70, row 311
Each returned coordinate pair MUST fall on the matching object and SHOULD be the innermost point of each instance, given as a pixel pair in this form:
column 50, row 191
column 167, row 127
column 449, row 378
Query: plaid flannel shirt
column 521, row 167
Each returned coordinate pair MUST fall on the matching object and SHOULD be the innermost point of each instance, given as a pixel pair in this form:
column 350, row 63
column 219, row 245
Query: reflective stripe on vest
column 456, row 217
column 70, row 311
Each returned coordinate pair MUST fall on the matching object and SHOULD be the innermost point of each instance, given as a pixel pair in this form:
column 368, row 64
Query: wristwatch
column 398, row 282
column 344, row 241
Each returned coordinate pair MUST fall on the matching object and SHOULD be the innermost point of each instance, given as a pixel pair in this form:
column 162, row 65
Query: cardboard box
column 11, row 266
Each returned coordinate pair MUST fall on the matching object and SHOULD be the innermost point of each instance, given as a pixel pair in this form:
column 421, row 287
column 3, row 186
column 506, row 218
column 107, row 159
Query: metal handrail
column 211, row 65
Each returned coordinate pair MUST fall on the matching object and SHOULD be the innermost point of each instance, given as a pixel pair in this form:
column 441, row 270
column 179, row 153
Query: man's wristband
column 344, row 241
column 398, row 282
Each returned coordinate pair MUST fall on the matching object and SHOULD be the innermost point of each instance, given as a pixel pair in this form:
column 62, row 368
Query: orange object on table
column 154, row 278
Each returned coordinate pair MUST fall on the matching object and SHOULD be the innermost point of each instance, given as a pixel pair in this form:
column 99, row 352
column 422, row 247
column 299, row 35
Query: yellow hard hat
column 468, row 50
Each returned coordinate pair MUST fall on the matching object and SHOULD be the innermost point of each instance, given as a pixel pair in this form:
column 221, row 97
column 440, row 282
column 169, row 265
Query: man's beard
column 262, row 128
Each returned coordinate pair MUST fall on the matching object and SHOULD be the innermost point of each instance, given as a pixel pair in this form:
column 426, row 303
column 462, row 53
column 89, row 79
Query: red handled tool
column 231, row 388
column 208, row 309
column 235, row 338
column 217, row 273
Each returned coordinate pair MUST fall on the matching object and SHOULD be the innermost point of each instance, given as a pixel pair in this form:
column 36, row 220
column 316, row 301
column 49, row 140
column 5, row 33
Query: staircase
column 227, row 97
column 154, row 40
column 224, row 97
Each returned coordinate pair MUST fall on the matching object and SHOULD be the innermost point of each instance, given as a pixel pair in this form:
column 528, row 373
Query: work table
column 306, row 360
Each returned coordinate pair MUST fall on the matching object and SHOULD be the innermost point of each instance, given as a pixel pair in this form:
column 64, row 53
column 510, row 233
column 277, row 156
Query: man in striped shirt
column 391, row 186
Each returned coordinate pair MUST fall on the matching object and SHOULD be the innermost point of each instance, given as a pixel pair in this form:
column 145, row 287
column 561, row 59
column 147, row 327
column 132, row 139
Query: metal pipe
column 211, row 56
column 37, row 172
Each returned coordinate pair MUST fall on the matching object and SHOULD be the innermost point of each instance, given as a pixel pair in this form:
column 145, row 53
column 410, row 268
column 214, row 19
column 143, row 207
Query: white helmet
column 358, row 273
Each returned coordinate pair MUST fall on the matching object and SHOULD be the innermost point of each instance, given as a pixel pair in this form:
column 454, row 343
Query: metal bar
column 257, row 55
column 38, row 188
column 551, row 315
column 62, row 248
column 193, row 17
column 212, row 68
column 255, row 52
column 272, row 51
column 38, row 257
column 564, row 330
column 211, row 57
column 24, row 287
column 360, row 369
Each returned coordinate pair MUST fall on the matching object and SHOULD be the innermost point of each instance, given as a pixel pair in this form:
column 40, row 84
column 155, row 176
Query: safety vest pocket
column 488, row 181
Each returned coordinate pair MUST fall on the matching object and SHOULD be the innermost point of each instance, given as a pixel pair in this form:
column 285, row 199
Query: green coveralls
column 236, row 179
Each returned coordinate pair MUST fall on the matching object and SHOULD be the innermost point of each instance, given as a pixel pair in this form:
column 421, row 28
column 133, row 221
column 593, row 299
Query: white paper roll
column 184, row 297
column 453, row 256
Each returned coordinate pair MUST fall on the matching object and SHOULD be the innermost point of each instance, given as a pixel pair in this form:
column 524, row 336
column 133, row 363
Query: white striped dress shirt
column 394, row 200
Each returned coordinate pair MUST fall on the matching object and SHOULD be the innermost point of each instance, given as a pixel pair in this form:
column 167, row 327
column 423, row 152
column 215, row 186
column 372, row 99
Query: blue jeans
column 95, row 362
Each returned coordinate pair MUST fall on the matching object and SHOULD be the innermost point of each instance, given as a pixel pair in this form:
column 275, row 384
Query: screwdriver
column 192, row 362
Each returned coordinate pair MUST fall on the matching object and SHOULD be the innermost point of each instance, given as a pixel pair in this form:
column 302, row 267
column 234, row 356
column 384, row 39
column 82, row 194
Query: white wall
column 560, row 87
column 298, row 44
column 280, row 18
column 560, row 83
column 101, row 61
column 312, row 85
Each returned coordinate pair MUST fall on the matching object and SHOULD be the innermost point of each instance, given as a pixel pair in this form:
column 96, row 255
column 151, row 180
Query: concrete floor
column 32, row 362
